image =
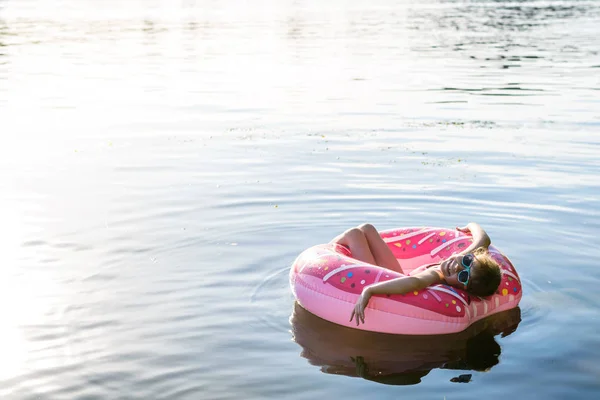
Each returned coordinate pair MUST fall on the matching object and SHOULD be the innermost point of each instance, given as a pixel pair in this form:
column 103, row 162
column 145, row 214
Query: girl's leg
column 379, row 249
column 356, row 241
column 366, row 245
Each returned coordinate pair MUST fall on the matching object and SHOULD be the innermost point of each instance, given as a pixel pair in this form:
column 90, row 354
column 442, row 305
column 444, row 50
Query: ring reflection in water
column 399, row 359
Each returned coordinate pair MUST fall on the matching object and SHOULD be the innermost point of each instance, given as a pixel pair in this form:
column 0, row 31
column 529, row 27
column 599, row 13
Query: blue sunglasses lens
column 468, row 260
column 463, row 276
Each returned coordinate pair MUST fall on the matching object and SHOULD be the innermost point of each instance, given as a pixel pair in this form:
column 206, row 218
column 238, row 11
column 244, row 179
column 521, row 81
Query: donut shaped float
column 327, row 281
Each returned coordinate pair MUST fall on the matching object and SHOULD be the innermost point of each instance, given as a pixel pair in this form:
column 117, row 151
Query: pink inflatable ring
column 327, row 282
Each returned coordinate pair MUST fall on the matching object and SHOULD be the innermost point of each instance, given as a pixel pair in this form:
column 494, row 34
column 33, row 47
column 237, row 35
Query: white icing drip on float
column 448, row 243
column 441, row 289
column 343, row 268
column 408, row 235
column 511, row 275
column 434, row 294
column 426, row 237
column 378, row 276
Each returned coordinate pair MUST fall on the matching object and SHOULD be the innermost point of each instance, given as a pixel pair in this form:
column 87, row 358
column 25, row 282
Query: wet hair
column 485, row 279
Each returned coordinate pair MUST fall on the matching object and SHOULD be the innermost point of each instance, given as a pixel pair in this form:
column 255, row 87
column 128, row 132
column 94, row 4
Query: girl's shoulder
column 430, row 273
column 425, row 267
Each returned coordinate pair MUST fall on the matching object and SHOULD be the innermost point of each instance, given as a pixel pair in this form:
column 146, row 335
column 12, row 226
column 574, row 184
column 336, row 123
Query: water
column 162, row 164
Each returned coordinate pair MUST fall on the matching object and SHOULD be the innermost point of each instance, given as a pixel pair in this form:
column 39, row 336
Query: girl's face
column 452, row 266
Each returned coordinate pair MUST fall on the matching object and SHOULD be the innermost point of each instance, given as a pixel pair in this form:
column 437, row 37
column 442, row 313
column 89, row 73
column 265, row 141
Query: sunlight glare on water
column 163, row 163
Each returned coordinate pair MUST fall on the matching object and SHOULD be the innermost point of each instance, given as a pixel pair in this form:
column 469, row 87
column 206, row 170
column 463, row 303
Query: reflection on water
column 516, row 15
column 3, row 58
column 397, row 359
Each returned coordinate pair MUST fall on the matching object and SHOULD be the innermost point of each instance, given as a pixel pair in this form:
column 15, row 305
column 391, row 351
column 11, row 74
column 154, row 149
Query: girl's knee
column 353, row 234
column 368, row 229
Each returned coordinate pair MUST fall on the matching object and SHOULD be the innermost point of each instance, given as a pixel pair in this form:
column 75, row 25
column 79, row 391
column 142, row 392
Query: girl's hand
column 359, row 308
column 464, row 230
column 479, row 236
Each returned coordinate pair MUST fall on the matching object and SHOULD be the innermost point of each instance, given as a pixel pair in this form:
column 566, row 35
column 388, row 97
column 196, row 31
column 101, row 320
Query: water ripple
column 163, row 165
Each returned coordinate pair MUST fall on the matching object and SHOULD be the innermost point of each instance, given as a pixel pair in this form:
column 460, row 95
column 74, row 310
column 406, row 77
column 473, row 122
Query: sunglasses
column 464, row 275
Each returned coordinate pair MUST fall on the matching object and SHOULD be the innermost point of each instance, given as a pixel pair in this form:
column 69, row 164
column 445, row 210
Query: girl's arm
column 480, row 237
column 400, row 285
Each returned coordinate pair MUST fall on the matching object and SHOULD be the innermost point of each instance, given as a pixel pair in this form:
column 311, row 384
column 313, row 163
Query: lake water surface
column 163, row 162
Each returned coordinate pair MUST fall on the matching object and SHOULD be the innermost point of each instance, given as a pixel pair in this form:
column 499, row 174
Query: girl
column 472, row 269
